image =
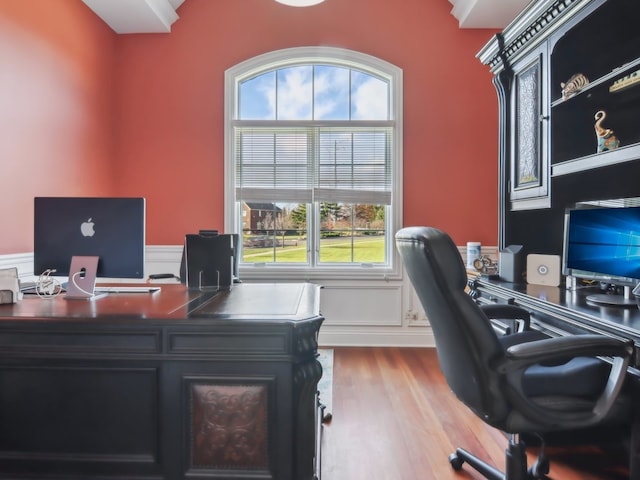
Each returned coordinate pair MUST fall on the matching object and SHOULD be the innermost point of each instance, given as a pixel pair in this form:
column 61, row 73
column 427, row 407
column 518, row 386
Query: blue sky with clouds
column 320, row 92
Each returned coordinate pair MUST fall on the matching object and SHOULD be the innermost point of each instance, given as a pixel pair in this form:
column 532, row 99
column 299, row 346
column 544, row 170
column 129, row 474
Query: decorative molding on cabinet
column 531, row 27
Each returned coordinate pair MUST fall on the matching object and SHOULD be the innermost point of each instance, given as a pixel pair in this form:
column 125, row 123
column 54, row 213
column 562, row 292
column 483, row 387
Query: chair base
column 516, row 463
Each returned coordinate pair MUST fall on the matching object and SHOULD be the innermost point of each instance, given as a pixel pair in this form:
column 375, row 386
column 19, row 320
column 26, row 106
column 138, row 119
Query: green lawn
column 365, row 250
column 332, row 250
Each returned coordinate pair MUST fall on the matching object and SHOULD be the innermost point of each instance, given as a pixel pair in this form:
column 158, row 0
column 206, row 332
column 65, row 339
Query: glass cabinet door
column 529, row 182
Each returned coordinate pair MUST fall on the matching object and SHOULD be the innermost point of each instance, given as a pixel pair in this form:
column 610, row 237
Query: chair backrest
column 466, row 343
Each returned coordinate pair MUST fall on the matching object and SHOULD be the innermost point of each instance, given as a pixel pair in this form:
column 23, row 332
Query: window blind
column 305, row 164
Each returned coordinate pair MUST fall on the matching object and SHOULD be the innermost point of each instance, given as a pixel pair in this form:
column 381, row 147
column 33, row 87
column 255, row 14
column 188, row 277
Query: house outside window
column 313, row 163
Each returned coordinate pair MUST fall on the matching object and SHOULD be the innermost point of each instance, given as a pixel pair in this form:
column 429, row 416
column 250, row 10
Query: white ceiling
column 486, row 13
column 157, row 16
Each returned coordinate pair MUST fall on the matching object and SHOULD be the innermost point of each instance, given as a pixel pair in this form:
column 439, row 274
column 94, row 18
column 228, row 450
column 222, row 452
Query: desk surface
column 246, row 301
column 572, row 306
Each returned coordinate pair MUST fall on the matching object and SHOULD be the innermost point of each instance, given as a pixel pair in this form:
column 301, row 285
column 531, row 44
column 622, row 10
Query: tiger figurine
column 576, row 83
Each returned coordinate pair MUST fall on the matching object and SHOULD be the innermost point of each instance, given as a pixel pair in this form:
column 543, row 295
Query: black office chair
column 524, row 383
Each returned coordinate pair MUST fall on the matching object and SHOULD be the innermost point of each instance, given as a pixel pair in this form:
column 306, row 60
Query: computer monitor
column 112, row 228
column 603, row 244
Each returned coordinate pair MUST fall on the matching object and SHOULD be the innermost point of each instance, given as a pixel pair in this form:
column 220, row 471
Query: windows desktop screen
column 605, row 241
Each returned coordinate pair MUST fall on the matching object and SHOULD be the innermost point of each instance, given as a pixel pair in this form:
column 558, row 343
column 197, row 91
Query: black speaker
column 511, row 264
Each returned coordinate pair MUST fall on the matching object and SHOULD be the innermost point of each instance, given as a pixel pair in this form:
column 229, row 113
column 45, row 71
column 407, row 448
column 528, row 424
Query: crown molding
column 137, row 16
column 486, row 13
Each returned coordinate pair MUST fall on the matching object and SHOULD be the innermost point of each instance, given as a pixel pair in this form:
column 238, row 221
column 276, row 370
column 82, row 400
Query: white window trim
column 329, row 56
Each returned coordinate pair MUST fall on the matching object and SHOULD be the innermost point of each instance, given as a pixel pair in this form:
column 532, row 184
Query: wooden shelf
column 597, row 160
column 616, row 72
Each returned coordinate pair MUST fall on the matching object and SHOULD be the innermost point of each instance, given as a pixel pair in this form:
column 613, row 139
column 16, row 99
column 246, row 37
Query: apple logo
column 87, row 228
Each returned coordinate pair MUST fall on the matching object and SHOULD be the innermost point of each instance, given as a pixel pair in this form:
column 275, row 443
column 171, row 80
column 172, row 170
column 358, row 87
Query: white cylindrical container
column 473, row 252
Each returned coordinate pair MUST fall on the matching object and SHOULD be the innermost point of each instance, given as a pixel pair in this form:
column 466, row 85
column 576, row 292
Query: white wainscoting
column 22, row 261
column 357, row 312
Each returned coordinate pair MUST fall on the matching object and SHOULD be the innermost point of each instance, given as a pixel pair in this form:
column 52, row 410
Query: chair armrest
column 507, row 312
column 559, row 348
column 519, row 357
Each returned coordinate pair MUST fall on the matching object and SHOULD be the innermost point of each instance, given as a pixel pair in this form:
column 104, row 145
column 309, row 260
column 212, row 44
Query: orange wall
column 143, row 114
column 170, row 106
column 56, row 97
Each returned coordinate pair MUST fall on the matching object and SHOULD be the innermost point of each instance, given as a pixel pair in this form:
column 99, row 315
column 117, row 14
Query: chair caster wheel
column 455, row 461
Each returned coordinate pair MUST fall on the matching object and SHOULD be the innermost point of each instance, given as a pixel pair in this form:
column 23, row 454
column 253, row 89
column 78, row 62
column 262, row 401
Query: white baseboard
column 362, row 337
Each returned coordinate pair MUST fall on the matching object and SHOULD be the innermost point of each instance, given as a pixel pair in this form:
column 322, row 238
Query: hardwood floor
column 394, row 418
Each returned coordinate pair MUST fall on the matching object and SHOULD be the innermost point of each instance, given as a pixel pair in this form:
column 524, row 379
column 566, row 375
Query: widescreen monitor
column 603, row 244
column 112, row 228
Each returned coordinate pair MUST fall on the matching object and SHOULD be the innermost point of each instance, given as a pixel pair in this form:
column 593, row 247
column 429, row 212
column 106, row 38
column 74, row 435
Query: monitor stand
column 626, row 300
column 82, row 278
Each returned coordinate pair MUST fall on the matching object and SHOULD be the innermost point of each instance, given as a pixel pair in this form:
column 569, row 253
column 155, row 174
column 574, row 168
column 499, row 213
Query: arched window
column 313, row 162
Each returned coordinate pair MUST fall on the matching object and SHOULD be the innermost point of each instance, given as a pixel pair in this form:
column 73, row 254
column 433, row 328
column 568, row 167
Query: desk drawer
column 70, row 341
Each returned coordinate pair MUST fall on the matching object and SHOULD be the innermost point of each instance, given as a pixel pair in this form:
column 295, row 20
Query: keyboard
column 27, row 285
column 126, row 289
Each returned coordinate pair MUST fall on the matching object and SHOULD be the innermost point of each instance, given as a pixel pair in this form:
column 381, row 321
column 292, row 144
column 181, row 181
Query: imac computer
column 603, row 245
column 112, row 229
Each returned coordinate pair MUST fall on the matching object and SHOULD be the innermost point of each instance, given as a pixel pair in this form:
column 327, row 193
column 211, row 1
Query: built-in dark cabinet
column 551, row 153
column 605, row 48
column 567, row 76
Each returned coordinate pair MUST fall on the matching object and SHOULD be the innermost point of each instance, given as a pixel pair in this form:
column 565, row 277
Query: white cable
column 46, row 286
column 73, row 279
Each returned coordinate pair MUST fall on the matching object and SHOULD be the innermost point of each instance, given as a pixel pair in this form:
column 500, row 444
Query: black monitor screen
column 605, row 241
column 111, row 228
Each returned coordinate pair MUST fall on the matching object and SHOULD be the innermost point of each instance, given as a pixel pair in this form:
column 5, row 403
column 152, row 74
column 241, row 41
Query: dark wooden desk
column 559, row 311
column 170, row 385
